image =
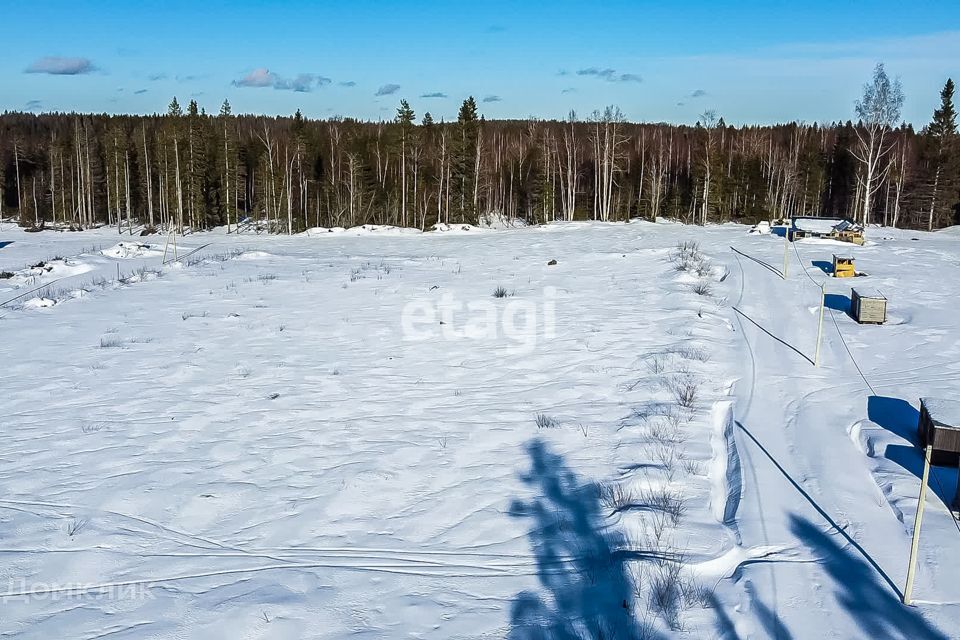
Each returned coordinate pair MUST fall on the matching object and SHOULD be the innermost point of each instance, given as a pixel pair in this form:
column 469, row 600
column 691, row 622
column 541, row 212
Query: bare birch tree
column 879, row 111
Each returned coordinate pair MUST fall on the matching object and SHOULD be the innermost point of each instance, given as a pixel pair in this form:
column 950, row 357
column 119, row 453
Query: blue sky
column 753, row 62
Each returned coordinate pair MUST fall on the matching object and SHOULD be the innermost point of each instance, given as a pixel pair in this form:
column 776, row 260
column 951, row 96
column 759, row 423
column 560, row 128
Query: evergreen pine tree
column 196, row 166
column 405, row 118
column 405, row 115
column 464, row 178
column 941, row 134
column 174, row 108
column 840, row 190
column 945, row 117
column 227, row 166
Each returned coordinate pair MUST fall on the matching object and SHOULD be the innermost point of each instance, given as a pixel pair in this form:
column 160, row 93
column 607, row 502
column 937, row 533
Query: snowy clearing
column 383, row 433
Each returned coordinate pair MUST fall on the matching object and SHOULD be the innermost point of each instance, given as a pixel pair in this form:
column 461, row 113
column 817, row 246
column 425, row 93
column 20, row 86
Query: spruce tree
column 405, row 117
column 174, row 193
column 945, row 118
column 197, row 166
column 941, row 134
column 465, row 179
column 298, row 132
column 228, row 165
column 174, row 108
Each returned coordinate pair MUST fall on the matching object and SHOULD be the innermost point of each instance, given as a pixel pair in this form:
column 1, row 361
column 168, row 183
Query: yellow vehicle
column 843, row 267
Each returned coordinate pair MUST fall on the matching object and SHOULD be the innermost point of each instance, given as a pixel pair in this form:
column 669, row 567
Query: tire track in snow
column 191, row 538
column 746, row 456
column 398, row 568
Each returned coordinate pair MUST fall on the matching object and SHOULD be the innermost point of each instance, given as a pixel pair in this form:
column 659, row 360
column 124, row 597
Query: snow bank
column 39, row 303
column 128, row 250
column 498, row 221
column 364, row 229
column 454, row 228
column 47, row 271
column 317, row 231
column 725, row 480
column 253, row 255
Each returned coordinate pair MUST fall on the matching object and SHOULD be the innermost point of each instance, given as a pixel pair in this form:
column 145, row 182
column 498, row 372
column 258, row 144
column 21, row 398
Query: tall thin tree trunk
column 146, row 163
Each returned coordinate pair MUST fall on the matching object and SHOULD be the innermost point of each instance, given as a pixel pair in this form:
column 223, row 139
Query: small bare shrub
column 702, row 288
column 664, row 432
column 687, row 256
column 641, row 414
column 110, row 343
column 656, row 526
column 665, row 593
column 668, row 501
column 75, row 526
column 91, row 427
column 617, row 497
column 693, row 353
column 685, row 390
column 546, row 422
column 500, row 292
column 695, row 594
column 678, row 416
column 657, row 363
column 665, row 453
column 686, row 249
column 703, row 268
column 691, row 466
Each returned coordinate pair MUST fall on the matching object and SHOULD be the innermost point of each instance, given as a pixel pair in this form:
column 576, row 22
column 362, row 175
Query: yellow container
column 843, row 267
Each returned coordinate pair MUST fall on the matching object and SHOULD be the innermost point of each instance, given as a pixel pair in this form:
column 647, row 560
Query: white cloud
column 263, row 77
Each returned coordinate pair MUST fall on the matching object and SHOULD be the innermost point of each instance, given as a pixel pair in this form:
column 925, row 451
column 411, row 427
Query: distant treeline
column 193, row 169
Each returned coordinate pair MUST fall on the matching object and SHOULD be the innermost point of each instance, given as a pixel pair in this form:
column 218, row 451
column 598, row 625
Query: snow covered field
column 347, row 435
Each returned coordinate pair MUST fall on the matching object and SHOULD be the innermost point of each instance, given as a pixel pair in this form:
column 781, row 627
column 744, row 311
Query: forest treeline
column 190, row 169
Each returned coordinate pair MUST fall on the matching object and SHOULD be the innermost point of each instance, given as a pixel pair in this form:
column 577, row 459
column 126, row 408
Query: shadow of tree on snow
column 587, row 591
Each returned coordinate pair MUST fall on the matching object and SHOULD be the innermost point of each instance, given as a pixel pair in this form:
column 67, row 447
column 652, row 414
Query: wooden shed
column 940, row 427
column 851, row 235
column 843, row 267
column 868, row 307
